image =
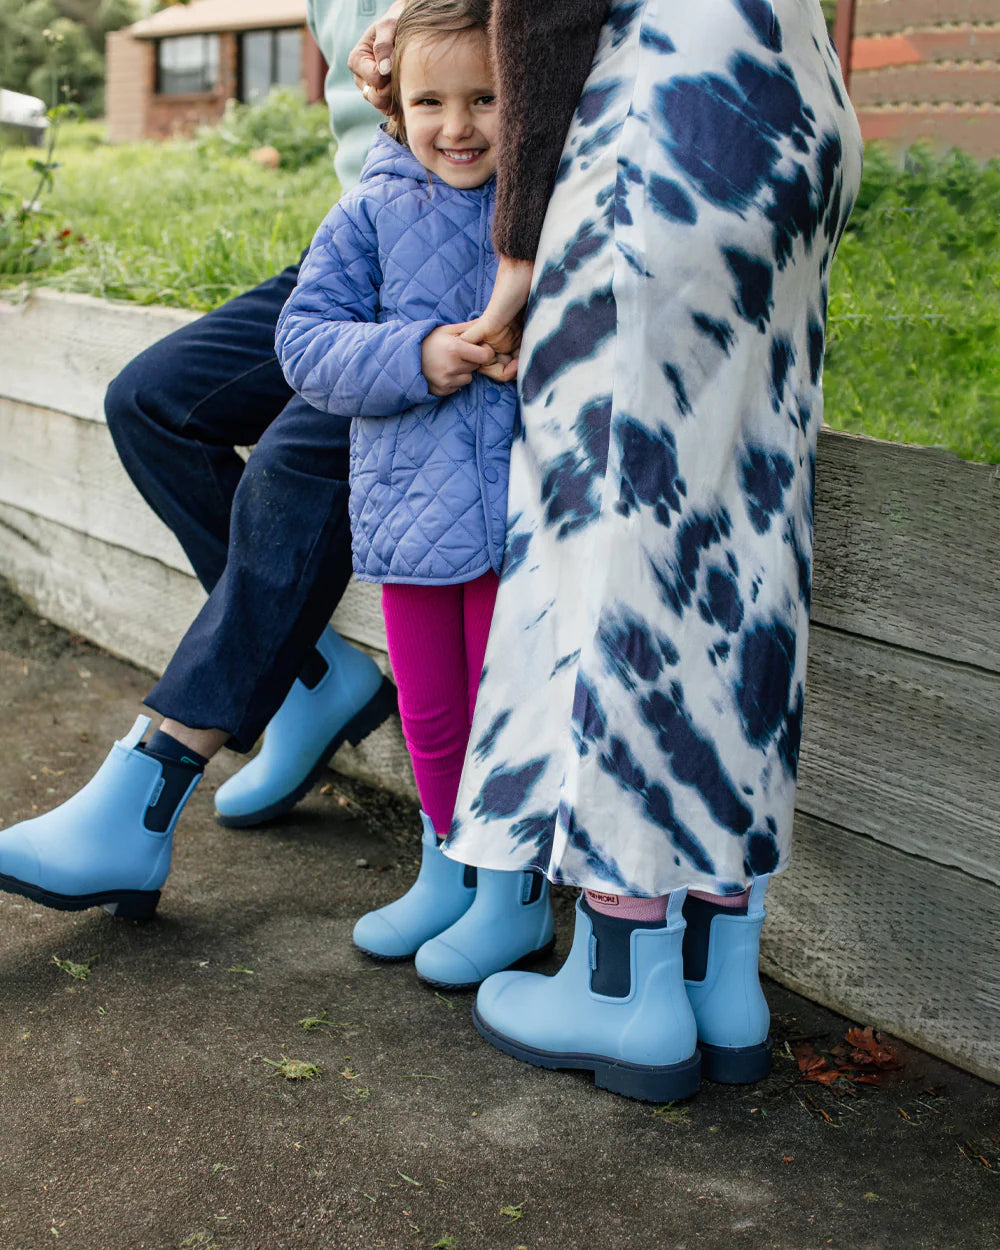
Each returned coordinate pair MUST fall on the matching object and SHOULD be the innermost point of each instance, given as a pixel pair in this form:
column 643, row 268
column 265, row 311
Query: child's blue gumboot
column 442, row 892
column 509, row 922
column 97, row 849
column 617, row 1008
column 721, row 956
column 350, row 700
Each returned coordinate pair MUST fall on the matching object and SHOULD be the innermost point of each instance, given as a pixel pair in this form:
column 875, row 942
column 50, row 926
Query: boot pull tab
column 755, row 903
column 675, row 903
column 135, row 734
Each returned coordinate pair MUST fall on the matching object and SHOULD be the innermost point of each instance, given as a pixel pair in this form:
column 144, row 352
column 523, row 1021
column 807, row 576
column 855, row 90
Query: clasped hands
column 452, row 354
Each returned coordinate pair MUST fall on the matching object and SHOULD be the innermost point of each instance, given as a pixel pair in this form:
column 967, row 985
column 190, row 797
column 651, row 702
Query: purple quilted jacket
column 397, row 257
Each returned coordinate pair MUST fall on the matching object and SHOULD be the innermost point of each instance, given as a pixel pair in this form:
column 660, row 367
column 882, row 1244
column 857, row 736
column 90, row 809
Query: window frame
column 274, row 32
column 207, row 39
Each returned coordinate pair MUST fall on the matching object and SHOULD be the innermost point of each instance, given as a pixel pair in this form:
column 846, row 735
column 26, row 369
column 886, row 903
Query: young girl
column 373, row 330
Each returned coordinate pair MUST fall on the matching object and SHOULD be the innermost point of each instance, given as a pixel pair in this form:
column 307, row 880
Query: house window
column 187, row 64
column 269, row 58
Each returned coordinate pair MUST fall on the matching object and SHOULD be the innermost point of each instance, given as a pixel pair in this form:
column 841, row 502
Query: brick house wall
column 134, row 111
column 928, row 69
column 131, row 71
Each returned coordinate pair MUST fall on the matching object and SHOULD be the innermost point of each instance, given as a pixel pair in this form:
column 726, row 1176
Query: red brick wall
column 168, row 115
column 928, row 69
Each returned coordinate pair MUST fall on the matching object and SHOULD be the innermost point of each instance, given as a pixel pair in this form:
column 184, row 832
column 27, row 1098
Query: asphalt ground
column 146, row 1106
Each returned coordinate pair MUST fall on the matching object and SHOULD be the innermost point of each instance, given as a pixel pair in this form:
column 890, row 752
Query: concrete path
column 142, row 1108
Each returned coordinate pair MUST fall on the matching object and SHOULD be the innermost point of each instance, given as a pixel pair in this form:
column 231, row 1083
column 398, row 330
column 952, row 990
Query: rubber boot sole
column 124, row 904
column 375, row 712
column 671, row 1083
column 525, row 961
column 736, row 1065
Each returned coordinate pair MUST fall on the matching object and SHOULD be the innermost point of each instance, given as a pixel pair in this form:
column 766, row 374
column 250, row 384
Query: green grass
column 914, row 328
column 172, row 223
column 913, row 353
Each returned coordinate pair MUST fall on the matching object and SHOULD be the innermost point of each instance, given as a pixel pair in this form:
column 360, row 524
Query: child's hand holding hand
column 448, row 362
column 500, row 370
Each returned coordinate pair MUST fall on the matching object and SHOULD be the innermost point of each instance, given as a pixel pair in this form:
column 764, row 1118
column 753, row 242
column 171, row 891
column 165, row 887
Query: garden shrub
column 283, row 120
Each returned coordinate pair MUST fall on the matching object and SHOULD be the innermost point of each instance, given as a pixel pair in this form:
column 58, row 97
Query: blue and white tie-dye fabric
column 638, row 722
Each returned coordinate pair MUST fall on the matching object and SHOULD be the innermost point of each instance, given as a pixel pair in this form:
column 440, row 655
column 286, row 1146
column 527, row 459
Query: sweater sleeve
column 542, row 50
column 332, row 350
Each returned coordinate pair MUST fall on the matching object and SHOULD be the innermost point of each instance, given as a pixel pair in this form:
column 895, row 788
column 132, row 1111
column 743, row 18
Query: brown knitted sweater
column 542, row 50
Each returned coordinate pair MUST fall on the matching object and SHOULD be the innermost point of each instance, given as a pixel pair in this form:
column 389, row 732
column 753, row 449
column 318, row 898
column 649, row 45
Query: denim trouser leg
column 271, row 542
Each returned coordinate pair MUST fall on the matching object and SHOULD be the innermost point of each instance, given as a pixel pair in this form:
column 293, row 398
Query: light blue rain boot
column 509, row 923
column 442, row 892
column 350, row 700
column 721, row 956
column 616, row 1007
column 101, row 848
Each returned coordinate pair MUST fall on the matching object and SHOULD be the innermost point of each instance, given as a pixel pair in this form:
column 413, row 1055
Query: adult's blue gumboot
column 721, row 957
column 350, row 700
column 101, row 848
column 442, row 892
column 616, row 1008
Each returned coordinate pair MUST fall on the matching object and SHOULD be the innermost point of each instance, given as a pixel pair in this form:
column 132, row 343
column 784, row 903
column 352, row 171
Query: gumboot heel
column 139, row 906
column 721, row 957
column 736, row 1065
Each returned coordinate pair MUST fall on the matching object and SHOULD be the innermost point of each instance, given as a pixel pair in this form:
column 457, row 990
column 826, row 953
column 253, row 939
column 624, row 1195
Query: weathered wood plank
column 906, row 547
column 66, row 470
column 134, row 607
column 903, row 748
column 889, row 939
column 901, row 532
column 60, row 351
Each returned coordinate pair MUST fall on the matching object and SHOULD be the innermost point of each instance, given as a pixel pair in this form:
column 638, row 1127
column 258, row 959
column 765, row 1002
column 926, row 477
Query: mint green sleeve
column 337, row 25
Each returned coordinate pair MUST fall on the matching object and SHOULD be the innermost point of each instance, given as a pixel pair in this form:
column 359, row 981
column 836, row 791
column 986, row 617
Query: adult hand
column 448, row 362
column 371, row 58
column 500, row 324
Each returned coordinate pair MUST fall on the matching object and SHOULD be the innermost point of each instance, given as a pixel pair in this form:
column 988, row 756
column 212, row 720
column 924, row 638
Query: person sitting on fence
column 270, row 543
column 373, row 329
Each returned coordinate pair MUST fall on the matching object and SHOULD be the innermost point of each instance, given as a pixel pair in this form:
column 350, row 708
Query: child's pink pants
column 437, row 639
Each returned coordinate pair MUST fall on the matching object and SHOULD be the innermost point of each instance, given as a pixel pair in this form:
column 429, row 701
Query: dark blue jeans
column 270, row 541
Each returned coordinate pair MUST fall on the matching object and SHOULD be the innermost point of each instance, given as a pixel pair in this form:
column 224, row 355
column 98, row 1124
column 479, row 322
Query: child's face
column 449, row 107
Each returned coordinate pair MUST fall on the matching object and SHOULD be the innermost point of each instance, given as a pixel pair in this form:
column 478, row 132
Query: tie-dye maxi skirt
column 638, row 722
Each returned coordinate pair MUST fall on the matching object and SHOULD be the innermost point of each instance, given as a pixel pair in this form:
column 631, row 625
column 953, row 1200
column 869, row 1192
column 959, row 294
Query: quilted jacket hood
column 399, row 256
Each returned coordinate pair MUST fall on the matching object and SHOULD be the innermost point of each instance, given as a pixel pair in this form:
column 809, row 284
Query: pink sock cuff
column 625, row 907
column 722, row 900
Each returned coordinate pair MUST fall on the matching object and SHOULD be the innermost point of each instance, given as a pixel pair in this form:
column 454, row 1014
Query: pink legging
column 437, row 639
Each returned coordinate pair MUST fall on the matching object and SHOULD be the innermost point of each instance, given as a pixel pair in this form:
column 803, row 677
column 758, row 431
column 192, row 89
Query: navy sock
column 170, row 750
column 180, row 765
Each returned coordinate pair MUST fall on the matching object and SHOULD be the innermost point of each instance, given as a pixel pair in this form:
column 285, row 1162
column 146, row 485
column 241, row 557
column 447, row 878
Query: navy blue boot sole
column 736, row 1065
column 124, row 904
column 375, row 712
column 524, row 962
column 672, row 1083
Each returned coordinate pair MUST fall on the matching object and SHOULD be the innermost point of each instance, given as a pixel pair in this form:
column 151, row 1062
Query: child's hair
column 424, row 17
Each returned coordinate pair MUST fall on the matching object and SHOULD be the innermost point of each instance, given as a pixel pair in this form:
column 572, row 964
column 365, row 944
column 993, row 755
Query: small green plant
column 447, row 1242
column 79, row 972
column 670, row 1113
column 29, row 242
column 294, row 1069
column 514, row 1212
